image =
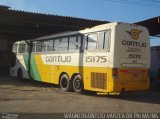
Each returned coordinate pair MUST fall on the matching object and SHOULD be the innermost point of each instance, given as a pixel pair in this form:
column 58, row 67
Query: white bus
column 112, row 57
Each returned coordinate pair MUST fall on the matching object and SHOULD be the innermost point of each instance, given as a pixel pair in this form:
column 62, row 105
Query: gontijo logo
column 134, row 34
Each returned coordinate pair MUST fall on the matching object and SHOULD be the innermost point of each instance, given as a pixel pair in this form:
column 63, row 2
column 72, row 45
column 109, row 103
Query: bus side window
column 56, row 44
column 38, row 46
column 33, row 47
column 72, row 43
column 104, row 38
column 50, row 45
column 44, row 46
column 63, row 44
column 75, row 43
column 22, row 48
column 107, row 39
column 27, row 48
column 92, row 42
column 14, row 49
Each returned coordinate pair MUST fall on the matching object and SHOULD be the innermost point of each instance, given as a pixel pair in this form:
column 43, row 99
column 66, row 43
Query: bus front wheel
column 78, row 84
column 65, row 83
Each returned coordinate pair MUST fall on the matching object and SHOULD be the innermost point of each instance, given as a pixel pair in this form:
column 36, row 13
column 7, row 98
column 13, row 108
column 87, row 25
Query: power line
column 146, row 3
column 140, row 3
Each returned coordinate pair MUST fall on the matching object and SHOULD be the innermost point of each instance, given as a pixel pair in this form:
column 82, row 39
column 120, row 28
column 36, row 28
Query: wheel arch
column 61, row 76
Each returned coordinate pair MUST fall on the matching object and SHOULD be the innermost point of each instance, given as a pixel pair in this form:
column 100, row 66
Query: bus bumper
column 128, row 86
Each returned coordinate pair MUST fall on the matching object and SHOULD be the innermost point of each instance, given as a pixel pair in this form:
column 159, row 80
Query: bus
column 113, row 57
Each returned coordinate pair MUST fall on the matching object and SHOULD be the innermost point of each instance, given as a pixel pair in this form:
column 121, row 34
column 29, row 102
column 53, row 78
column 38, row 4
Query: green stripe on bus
column 34, row 72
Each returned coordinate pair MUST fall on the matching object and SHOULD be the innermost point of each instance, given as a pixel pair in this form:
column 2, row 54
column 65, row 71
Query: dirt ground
column 36, row 97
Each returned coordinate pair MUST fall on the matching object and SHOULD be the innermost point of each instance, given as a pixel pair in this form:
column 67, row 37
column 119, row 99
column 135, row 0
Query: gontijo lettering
column 58, row 59
column 133, row 43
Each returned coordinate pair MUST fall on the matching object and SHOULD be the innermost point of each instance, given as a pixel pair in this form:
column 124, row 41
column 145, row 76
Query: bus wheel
column 19, row 74
column 78, row 84
column 65, row 83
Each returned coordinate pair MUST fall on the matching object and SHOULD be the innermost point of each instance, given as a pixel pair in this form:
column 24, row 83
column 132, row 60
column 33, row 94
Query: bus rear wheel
column 78, row 84
column 65, row 83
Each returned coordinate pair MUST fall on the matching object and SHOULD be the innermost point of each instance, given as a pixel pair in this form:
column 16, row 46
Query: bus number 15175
column 101, row 59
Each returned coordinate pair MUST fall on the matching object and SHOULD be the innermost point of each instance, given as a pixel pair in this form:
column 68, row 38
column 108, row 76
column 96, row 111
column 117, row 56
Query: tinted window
column 64, row 44
column 22, row 48
column 92, row 42
column 14, row 49
column 33, row 47
column 44, row 46
column 50, row 45
column 103, row 42
column 72, row 43
column 27, row 48
column 56, row 44
column 75, row 43
column 107, row 39
column 38, row 46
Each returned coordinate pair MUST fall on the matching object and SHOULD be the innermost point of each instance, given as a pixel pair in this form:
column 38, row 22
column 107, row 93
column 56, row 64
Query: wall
column 3, row 45
column 4, row 60
column 155, row 62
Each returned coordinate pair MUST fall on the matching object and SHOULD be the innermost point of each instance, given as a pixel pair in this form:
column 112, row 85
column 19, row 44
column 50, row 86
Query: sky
column 108, row 10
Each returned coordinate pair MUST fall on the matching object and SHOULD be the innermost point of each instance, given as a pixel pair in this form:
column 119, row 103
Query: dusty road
column 31, row 96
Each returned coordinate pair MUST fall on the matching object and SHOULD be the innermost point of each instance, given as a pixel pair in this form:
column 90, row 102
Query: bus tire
column 78, row 84
column 65, row 83
column 19, row 75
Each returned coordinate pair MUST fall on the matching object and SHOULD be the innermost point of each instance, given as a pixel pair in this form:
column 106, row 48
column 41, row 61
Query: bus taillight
column 115, row 73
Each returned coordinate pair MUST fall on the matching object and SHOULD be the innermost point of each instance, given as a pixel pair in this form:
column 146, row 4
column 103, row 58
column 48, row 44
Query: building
column 155, row 62
column 21, row 25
